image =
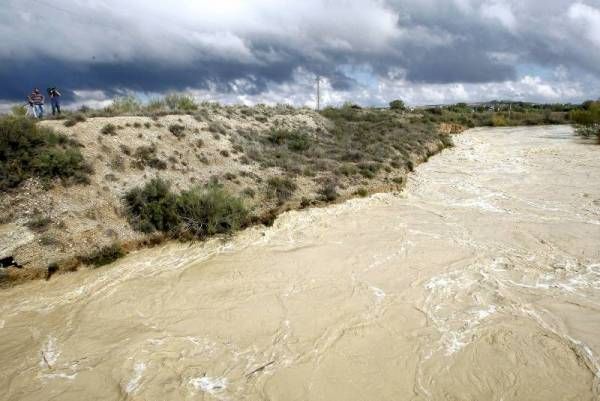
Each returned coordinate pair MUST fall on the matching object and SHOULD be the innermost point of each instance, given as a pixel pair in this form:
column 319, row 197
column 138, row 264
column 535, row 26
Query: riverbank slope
column 272, row 158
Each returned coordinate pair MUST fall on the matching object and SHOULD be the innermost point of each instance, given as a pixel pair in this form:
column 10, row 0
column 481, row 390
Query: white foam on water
column 134, row 383
column 481, row 204
column 483, row 313
column 210, row 385
column 60, row 376
column 378, row 292
column 457, row 325
column 50, row 352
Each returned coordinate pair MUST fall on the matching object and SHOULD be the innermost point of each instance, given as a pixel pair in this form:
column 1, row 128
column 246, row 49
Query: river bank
column 269, row 160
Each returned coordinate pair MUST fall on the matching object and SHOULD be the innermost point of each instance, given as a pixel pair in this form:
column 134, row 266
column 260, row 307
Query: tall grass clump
column 109, row 129
column 181, row 102
column 18, row 110
column 28, row 150
column 281, row 188
column 124, row 105
column 198, row 212
column 74, row 119
column 104, row 256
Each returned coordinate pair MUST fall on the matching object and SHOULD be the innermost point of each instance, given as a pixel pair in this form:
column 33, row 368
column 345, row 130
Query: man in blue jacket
column 54, row 96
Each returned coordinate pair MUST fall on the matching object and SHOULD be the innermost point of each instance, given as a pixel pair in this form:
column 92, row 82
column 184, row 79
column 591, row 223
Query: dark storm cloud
column 246, row 46
column 142, row 76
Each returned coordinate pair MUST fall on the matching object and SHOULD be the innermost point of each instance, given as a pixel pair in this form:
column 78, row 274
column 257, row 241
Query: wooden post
column 318, row 93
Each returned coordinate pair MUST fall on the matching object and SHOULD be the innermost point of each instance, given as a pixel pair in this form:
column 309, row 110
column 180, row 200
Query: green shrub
column 499, row 121
column 447, row 141
column 57, row 162
column 74, row 119
column 590, row 114
column 397, row 105
column 153, row 207
column 49, row 240
column 298, row 142
column 210, row 211
column 39, row 222
column 181, row 102
column 281, row 188
column 362, row 192
column 28, row 150
column 398, row 180
column 249, row 192
column 217, row 128
column 125, row 149
column 277, row 136
column 329, row 191
column 200, row 211
column 109, row 129
column 348, row 170
column 146, row 156
column 104, row 256
column 369, row 170
column 178, row 130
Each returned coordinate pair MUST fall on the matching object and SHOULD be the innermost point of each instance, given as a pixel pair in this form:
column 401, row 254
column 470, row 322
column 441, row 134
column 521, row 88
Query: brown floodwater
column 481, row 281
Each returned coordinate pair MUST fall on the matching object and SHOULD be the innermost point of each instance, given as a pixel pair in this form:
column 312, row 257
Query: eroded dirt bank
column 481, row 281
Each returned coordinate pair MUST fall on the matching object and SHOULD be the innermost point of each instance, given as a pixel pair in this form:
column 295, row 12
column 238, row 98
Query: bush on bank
column 198, row 212
column 28, row 150
column 587, row 119
column 103, row 256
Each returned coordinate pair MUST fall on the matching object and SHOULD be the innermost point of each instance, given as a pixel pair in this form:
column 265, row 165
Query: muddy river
column 481, row 281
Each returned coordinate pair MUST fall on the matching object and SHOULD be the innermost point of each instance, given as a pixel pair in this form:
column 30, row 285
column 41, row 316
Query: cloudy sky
column 269, row 51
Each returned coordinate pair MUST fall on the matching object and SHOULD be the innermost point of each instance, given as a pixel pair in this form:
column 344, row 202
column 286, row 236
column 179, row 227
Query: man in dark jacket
column 54, row 96
column 36, row 99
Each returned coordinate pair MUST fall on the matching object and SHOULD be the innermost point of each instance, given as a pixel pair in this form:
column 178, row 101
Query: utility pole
column 318, row 93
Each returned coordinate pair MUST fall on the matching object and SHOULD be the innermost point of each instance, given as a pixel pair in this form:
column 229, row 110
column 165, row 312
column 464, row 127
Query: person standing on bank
column 37, row 100
column 54, row 96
